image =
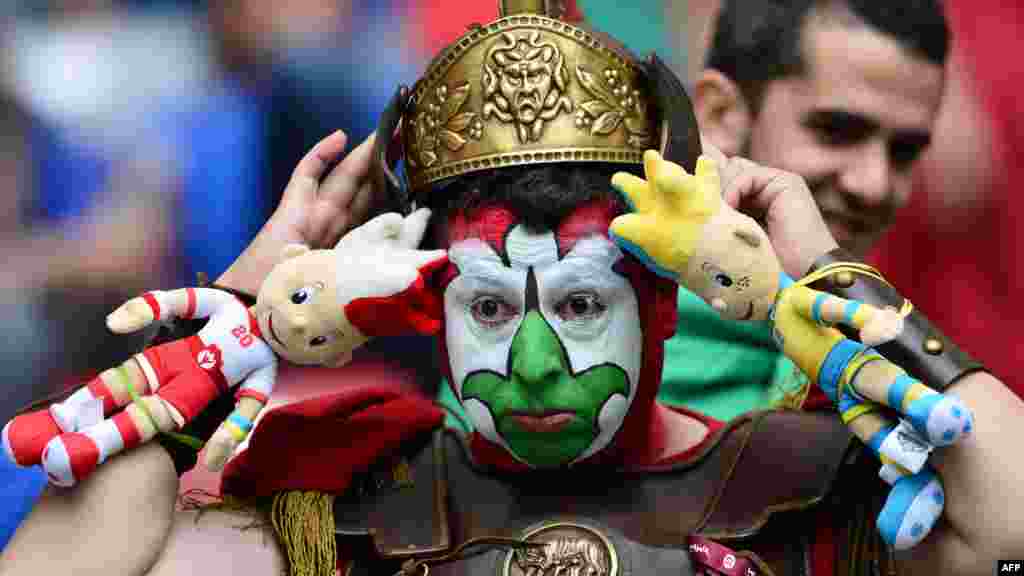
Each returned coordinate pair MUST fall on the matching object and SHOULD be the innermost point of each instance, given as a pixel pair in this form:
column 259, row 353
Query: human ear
column 292, row 250
column 723, row 113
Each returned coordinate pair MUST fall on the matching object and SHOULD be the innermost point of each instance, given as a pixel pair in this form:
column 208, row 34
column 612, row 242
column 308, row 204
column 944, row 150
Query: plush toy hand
column 886, row 325
column 219, row 449
column 663, row 208
column 389, row 293
column 133, row 315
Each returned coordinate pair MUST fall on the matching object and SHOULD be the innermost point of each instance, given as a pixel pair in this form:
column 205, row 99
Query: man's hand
column 783, row 204
column 315, row 210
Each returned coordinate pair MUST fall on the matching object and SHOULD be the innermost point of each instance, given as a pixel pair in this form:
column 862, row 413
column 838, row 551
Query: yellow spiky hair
column 693, row 198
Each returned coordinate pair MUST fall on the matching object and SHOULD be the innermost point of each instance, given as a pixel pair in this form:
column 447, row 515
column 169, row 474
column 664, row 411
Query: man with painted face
column 546, row 451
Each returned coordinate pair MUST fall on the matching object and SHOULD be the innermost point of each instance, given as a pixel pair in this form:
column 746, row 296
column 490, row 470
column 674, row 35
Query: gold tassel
column 402, row 474
column 304, row 523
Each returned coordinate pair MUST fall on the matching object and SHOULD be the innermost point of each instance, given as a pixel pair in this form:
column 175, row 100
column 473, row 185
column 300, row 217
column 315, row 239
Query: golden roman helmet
column 531, row 88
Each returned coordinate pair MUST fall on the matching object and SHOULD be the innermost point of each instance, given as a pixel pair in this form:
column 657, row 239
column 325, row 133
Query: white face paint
column 607, row 332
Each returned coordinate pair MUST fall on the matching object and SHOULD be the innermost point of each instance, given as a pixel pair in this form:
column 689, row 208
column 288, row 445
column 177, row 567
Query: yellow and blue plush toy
column 680, row 227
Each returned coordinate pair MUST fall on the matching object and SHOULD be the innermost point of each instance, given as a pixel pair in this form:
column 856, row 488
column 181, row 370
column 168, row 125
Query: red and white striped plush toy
column 314, row 308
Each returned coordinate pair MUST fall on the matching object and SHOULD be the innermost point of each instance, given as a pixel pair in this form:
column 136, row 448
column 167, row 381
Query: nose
column 537, row 356
column 299, row 324
column 868, row 174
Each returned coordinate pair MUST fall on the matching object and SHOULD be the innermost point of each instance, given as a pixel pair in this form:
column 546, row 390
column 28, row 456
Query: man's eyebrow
column 838, row 118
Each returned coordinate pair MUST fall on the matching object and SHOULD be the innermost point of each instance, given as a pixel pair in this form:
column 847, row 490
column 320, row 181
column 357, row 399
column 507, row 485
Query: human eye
column 580, row 306
column 839, row 128
column 491, row 311
column 904, row 150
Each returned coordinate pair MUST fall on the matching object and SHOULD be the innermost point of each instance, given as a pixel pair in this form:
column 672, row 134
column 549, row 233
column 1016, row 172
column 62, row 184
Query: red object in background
column 438, row 22
column 970, row 284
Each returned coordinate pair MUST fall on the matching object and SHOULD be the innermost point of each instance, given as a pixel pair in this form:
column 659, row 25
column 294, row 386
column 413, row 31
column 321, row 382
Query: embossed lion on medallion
column 524, row 82
column 563, row 557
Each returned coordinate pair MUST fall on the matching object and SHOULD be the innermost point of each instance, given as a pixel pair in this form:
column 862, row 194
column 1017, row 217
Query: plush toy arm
column 876, row 325
column 184, row 303
column 828, row 310
column 252, row 397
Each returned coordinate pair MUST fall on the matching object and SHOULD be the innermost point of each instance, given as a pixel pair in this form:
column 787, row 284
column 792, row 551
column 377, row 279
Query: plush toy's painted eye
column 318, row 341
column 723, row 280
column 300, row 295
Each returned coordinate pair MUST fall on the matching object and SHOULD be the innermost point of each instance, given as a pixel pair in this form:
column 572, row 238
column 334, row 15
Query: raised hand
column 315, row 210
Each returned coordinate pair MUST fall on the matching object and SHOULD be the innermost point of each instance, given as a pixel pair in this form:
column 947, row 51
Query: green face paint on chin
column 541, row 383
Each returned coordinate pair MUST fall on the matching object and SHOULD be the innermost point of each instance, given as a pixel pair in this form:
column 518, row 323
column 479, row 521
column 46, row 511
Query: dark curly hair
column 757, row 41
column 542, row 196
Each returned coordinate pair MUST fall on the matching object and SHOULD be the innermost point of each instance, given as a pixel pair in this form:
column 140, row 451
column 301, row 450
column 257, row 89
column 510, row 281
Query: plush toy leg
column 26, row 435
column 942, row 419
column 911, row 510
column 916, row 499
column 72, row 456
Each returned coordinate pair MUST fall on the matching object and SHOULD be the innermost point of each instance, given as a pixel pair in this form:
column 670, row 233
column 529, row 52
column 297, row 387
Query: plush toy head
column 733, row 266
column 681, row 228
column 299, row 309
column 316, row 306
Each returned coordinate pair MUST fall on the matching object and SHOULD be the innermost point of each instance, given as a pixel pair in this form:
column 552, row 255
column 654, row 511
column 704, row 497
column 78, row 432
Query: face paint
column 545, row 354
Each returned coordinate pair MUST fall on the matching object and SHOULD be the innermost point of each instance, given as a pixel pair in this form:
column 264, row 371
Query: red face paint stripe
column 489, row 223
column 589, row 219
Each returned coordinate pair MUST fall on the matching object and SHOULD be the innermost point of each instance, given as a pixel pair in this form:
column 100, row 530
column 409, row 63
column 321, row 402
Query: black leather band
column 922, row 349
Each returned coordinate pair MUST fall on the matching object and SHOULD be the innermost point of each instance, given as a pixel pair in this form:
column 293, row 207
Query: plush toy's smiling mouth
column 549, row 421
column 273, row 334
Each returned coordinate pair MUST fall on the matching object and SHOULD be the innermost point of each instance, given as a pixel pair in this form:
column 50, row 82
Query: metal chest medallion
column 571, row 549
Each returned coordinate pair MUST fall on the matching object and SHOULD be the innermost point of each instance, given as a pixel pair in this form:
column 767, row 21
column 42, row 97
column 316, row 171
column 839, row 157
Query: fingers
column 359, row 209
column 652, row 163
column 314, row 164
column 427, row 261
column 635, row 191
column 345, row 180
column 413, row 228
column 383, row 227
column 218, row 450
column 711, row 151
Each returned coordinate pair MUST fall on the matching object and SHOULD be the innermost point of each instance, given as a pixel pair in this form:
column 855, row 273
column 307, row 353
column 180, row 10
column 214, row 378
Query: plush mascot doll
column 682, row 229
column 314, row 308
